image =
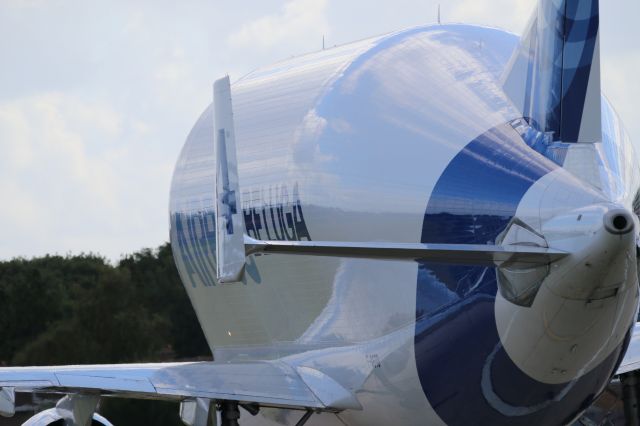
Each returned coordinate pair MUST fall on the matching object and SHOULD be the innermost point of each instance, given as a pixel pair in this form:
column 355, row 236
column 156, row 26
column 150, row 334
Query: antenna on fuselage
column 322, row 41
column 439, row 21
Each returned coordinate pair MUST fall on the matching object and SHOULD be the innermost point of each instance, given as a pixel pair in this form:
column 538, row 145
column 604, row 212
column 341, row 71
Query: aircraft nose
column 618, row 221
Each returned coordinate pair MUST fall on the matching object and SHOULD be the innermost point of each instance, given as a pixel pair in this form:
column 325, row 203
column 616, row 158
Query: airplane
column 437, row 226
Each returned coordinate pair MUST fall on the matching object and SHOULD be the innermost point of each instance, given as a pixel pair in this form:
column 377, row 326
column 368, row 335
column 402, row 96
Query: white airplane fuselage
column 410, row 138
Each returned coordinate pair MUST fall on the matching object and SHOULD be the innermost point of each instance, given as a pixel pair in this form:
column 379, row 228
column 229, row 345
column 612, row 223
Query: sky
column 97, row 97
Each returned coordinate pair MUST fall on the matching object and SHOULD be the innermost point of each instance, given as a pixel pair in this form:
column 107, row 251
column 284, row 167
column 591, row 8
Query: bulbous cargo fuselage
column 409, row 138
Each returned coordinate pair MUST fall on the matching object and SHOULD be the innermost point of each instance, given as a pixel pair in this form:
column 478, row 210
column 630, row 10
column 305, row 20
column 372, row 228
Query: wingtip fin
column 230, row 252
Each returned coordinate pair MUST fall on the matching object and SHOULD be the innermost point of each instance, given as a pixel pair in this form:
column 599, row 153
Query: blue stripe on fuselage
column 456, row 337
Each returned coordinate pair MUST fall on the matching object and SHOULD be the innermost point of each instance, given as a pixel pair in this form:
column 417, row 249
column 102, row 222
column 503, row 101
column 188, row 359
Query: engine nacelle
column 52, row 415
column 73, row 409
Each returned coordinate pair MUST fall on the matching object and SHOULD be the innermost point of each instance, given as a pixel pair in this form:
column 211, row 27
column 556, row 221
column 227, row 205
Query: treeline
column 83, row 310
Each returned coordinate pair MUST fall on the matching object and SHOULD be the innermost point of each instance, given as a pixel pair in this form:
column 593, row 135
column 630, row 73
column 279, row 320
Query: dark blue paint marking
column 206, row 227
column 467, row 331
column 195, row 234
column 559, row 59
column 580, row 44
column 456, row 335
column 183, row 249
column 194, row 229
column 196, row 244
column 283, row 219
column 545, row 71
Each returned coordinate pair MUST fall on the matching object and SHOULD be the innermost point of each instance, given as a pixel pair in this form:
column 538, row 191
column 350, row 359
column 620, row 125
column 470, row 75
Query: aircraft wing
column 631, row 360
column 267, row 383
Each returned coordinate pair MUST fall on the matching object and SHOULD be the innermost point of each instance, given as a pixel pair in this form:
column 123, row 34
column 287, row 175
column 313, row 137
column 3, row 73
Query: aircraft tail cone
column 618, row 222
column 601, row 243
column 583, row 307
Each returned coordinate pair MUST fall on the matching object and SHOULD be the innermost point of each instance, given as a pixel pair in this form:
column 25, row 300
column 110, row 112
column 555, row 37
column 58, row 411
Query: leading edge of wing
column 269, row 383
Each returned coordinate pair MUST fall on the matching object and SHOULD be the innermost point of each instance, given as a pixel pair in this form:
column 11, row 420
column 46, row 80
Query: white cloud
column 65, row 127
column 60, row 178
column 15, row 138
column 298, row 22
column 21, row 212
column 173, row 77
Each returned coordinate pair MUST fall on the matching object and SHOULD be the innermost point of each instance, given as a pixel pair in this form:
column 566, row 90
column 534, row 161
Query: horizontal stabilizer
column 466, row 254
column 554, row 74
column 267, row 383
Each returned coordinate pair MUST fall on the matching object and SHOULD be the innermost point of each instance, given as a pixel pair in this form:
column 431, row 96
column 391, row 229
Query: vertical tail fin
column 554, row 74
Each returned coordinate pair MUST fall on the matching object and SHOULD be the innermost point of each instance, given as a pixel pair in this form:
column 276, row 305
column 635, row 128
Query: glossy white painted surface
column 319, row 130
column 402, row 141
column 349, row 145
column 586, row 303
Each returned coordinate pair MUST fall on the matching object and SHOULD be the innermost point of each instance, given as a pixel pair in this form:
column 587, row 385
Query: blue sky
column 97, row 97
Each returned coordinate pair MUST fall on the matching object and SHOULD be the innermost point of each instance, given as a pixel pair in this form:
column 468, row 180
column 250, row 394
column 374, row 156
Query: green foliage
column 82, row 310
column 140, row 412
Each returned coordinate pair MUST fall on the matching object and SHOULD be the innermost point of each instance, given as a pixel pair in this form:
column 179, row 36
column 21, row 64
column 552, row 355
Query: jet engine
column 75, row 409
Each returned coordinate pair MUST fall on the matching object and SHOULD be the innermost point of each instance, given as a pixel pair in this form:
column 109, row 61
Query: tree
column 83, row 310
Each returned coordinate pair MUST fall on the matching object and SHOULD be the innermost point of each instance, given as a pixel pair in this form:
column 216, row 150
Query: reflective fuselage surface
column 407, row 138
